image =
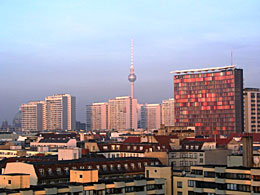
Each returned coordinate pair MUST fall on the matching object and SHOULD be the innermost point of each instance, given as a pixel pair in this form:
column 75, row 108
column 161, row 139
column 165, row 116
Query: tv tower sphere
column 132, row 77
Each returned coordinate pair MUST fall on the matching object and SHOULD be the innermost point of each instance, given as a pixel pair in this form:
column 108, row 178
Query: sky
column 82, row 47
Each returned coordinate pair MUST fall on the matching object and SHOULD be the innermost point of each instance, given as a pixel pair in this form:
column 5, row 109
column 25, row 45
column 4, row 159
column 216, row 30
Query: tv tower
column 132, row 76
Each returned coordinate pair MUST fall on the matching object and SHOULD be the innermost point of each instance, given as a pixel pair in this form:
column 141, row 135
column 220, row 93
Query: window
column 113, row 147
column 126, row 166
column 119, row 166
column 41, row 171
column 231, row 186
column 49, row 171
column 9, row 182
column 191, row 183
column 179, row 184
column 66, row 169
column 58, row 170
column 80, row 176
column 104, row 167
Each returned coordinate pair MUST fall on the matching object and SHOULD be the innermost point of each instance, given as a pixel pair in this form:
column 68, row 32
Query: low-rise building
column 218, row 180
column 48, row 170
column 84, row 185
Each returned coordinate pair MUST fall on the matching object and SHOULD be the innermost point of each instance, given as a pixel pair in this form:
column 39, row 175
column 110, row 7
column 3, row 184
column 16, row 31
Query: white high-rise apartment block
column 168, row 112
column 32, row 118
column 252, row 110
column 123, row 113
column 151, row 116
column 60, row 112
column 97, row 116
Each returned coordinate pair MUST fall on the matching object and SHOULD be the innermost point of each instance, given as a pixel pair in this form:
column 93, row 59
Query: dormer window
column 58, row 170
column 41, row 171
column 50, row 171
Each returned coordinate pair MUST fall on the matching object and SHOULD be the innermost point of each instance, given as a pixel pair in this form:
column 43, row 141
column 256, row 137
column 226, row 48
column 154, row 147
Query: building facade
column 252, row 110
column 218, row 180
column 123, row 113
column 167, row 108
column 151, row 116
column 60, row 112
column 32, row 116
column 97, row 116
column 210, row 99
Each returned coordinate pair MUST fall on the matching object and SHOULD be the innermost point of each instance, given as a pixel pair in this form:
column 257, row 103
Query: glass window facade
column 210, row 101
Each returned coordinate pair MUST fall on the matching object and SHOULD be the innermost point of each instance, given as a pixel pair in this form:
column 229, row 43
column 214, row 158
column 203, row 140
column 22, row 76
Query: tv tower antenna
column 132, row 76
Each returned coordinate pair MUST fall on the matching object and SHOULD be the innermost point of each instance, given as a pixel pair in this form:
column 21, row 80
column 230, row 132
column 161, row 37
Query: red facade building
column 210, row 99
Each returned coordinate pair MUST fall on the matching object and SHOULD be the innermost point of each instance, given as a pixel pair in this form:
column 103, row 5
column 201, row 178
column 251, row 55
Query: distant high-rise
column 151, row 116
column 132, row 76
column 32, row 116
column 97, row 116
column 168, row 112
column 123, row 113
column 60, row 112
column 252, row 110
column 210, row 99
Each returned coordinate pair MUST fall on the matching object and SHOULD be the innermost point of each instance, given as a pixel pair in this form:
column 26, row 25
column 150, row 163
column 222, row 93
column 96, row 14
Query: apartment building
column 32, row 116
column 98, row 116
column 252, row 110
column 123, row 113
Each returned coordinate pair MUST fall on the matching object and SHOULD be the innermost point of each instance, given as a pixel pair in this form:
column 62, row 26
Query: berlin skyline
column 83, row 47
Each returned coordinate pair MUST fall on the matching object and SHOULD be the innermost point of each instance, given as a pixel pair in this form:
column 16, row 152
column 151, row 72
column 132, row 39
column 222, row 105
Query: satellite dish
column 256, row 160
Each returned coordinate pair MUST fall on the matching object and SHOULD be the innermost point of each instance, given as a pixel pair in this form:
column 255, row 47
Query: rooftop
column 203, row 70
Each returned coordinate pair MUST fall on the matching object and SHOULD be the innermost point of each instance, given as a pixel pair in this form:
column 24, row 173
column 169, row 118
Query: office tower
column 60, row 112
column 211, row 99
column 252, row 110
column 132, row 76
column 97, row 116
column 168, row 112
column 123, row 113
column 32, row 116
column 151, row 116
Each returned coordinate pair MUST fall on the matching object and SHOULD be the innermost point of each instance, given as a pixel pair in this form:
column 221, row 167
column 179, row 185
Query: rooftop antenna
column 231, row 58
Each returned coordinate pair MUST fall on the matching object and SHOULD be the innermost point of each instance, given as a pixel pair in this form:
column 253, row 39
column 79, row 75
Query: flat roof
column 203, row 69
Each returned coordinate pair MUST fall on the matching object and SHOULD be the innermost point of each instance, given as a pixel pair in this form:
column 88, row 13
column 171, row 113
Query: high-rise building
column 151, row 116
column 97, row 116
column 32, row 116
column 252, row 110
column 60, row 112
column 210, row 99
column 168, row 112
column 123, row 113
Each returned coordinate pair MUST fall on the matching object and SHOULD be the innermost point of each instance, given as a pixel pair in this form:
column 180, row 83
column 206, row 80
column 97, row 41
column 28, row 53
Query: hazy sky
column 83, row 47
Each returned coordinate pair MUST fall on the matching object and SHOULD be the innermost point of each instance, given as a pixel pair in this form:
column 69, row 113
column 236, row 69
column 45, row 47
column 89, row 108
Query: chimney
column 247, row 141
